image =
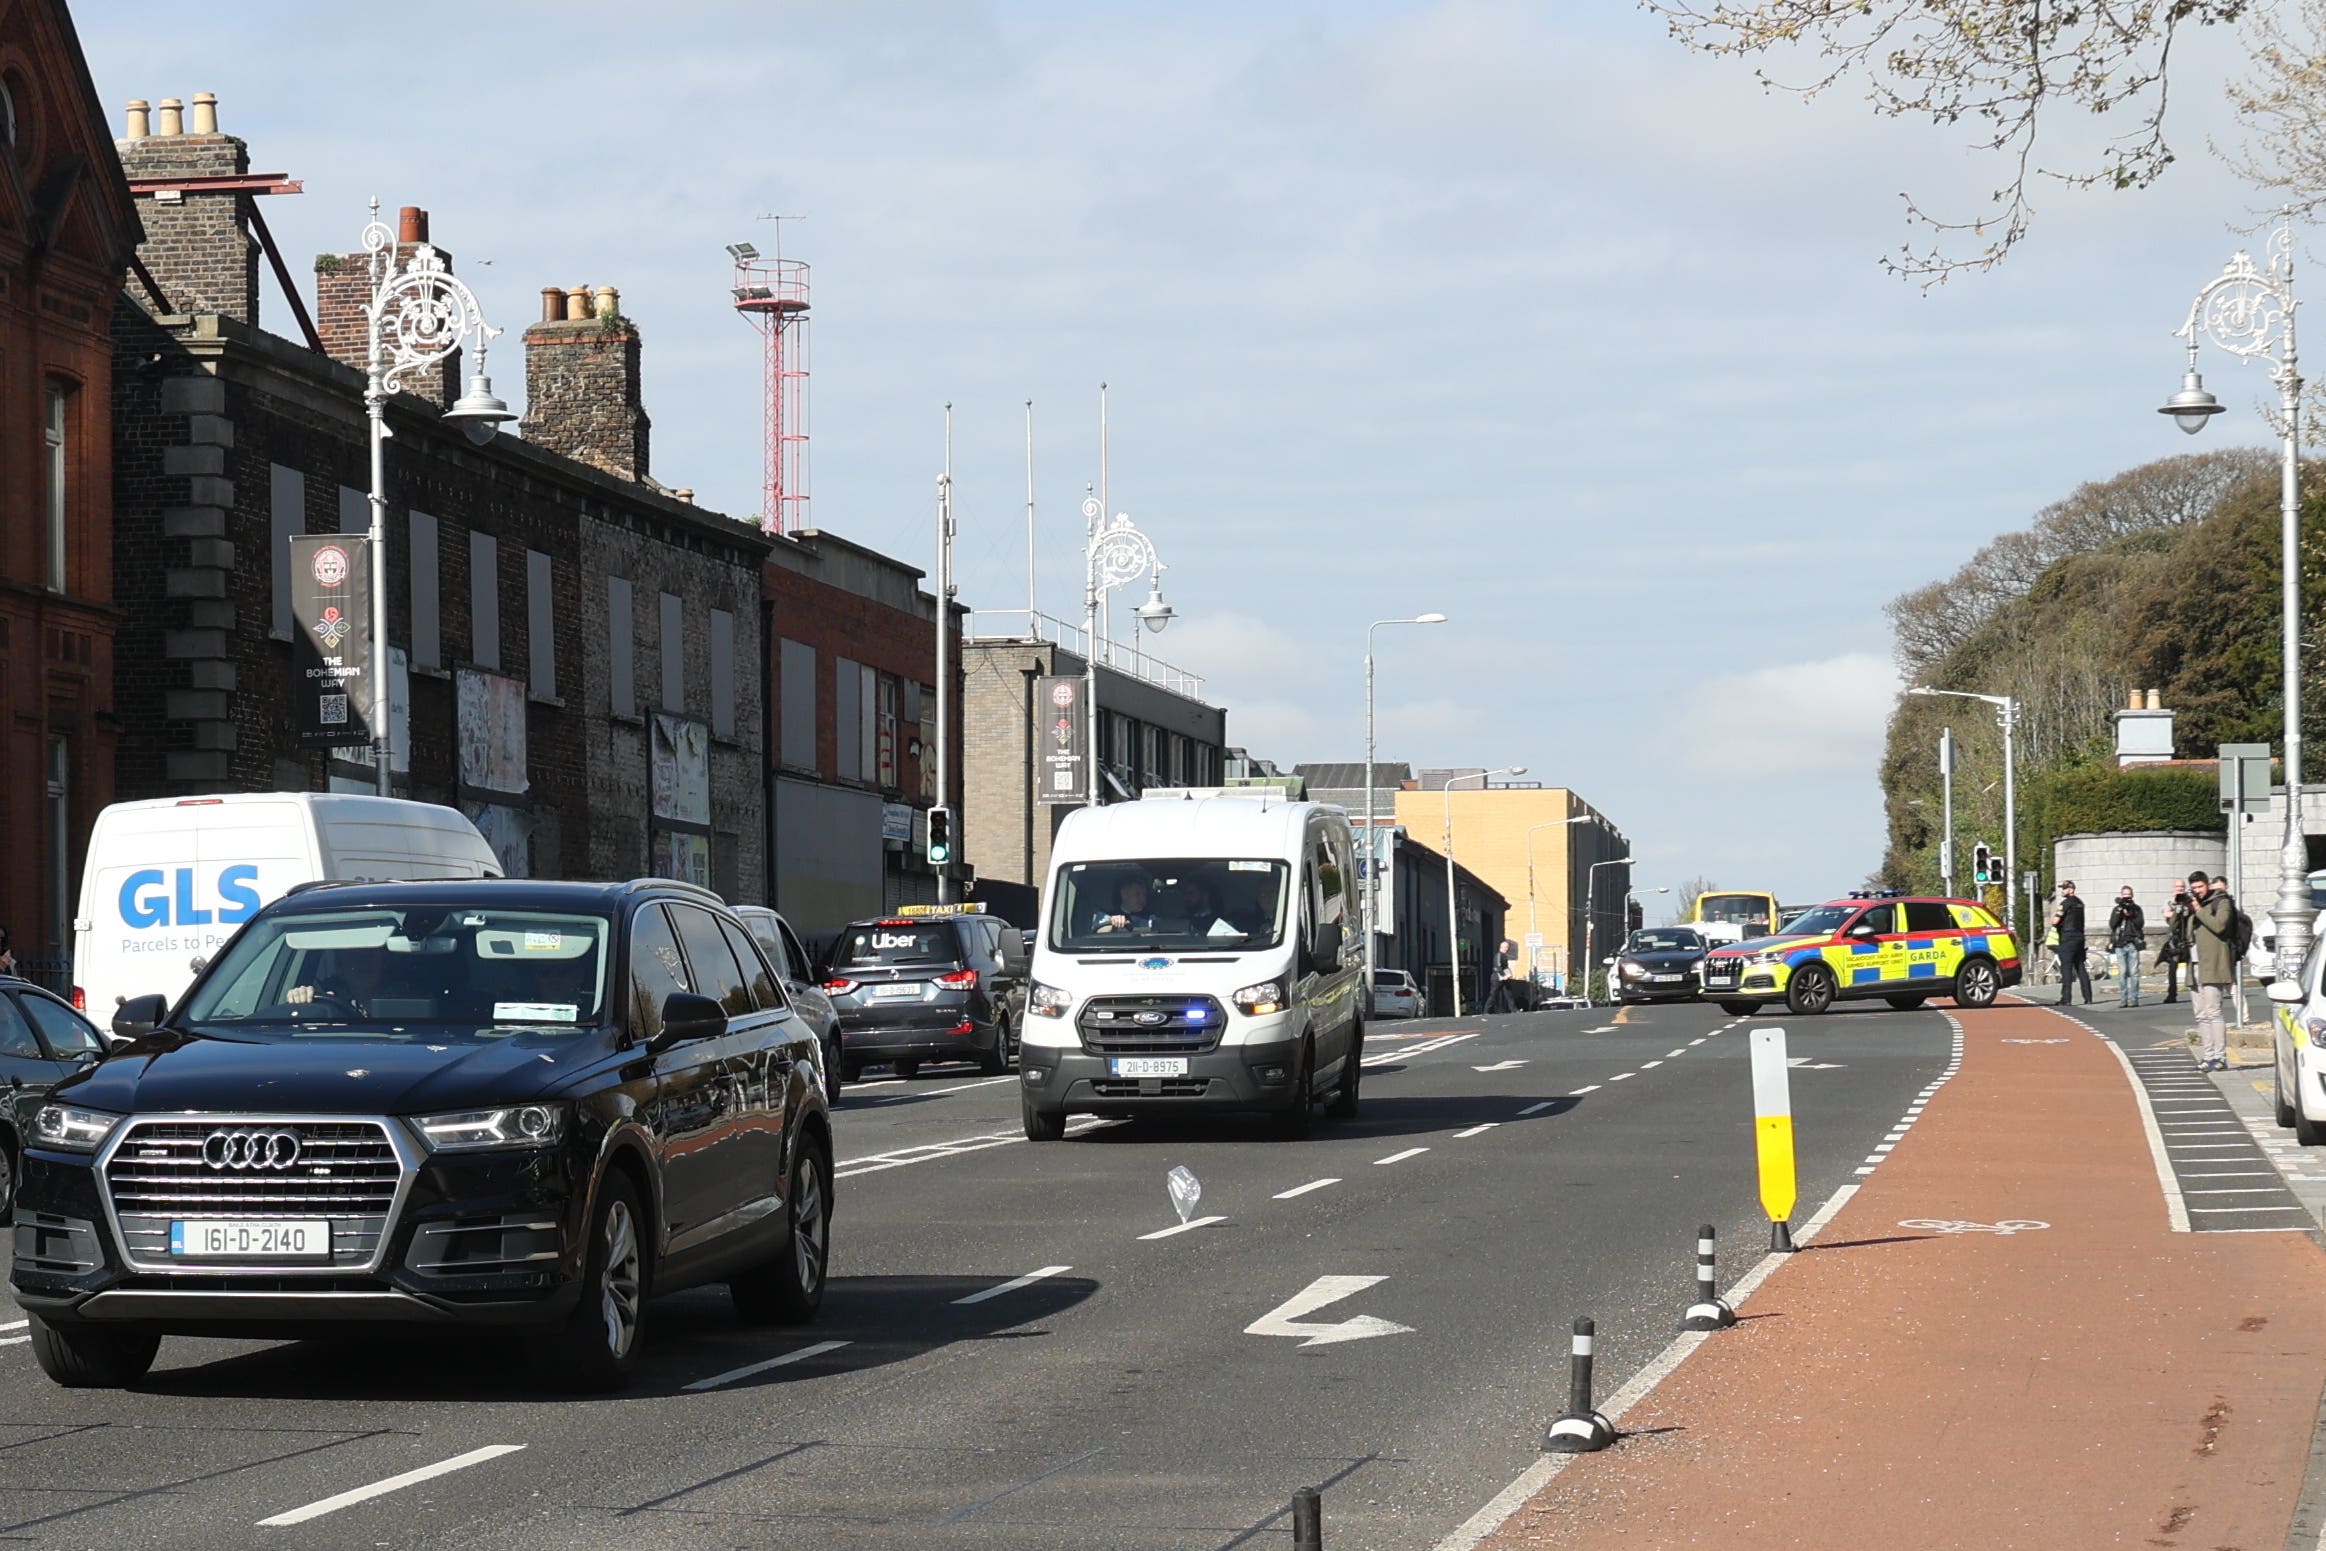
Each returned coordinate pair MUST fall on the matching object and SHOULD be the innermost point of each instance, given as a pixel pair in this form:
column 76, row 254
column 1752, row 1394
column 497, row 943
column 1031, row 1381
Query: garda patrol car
column 1902, row 950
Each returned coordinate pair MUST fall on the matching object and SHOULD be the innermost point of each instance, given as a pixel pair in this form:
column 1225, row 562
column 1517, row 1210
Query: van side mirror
column 137, row 1017
column 686, row 1017
column 1328, row 945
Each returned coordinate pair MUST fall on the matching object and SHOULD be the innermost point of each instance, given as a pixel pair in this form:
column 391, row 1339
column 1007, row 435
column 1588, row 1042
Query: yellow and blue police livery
column 1903, row 950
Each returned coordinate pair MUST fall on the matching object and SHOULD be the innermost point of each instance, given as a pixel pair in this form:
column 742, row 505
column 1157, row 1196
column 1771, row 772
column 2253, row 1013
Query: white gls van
column 1199, row 950
column 170, row 880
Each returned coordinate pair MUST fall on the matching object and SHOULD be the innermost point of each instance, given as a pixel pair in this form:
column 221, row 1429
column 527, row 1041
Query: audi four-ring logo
column 251, row 1149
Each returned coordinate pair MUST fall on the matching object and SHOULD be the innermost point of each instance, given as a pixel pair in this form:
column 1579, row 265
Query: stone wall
column 2152, row 861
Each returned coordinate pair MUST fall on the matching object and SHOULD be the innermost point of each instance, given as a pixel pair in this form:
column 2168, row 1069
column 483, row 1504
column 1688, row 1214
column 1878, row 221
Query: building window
column 54, row 460
column 355, row 510
column 427, row 582
column 885, row 751
column 540, row 626
column 60, row 843
column 722, row 674
column 286, row 515
column 798, row 704
column 484, row 600
column 673, row 653
column 621, row 648
column 848, row 718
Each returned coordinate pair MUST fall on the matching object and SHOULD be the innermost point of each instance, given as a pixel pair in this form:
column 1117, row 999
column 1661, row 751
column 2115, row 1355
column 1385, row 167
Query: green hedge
column 2102, row 799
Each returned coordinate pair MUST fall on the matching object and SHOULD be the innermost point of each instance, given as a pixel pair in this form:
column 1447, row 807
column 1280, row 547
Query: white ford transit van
column 169, row 880
column 1199, row 950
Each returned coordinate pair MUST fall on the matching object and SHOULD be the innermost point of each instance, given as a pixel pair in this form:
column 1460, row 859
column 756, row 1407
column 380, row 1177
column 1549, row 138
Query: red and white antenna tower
column 772, row 295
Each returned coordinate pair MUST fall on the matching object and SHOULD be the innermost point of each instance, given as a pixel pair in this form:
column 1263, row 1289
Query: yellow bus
column 1731, row 915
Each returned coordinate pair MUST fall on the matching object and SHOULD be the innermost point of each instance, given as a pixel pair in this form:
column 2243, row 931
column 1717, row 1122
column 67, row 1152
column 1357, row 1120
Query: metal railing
column 1028, row 625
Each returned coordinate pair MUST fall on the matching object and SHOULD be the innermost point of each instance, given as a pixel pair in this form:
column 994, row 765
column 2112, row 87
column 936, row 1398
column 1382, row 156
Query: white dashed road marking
column 1476, row 1130
column 1400, row 1157
column 1014, row 1284
column 316, row 1510
column 1302, row 1190
column 1188, row 1226
column 1536, row 1109
column 749, row 1370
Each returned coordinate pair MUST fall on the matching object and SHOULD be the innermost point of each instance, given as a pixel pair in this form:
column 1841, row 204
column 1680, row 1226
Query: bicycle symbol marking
column 2006, row 1227
column 2060, row 1041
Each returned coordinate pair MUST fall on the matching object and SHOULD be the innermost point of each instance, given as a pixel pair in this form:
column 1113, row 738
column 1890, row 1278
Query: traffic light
column 940, row 836
column 1982, row 864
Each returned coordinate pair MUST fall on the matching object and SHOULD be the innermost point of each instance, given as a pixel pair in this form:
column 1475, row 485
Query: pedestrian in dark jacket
column 2211, row 929
column 2067, row 922
column 2127, row 935
column 2175, row 950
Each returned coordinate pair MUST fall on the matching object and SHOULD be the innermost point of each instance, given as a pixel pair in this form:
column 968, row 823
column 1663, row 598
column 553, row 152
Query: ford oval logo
column 1150, row 1020
column 1156, row 963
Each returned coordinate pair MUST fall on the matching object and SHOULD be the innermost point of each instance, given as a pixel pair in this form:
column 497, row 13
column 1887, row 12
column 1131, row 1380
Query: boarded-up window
column 286, row 515
column 673, row 653
column 355, row 510
column 427, row 581
column 848, row 717
column 722, row 676
column 799, row 704
column 540, row 625
column 621, row 644
column 484, row 601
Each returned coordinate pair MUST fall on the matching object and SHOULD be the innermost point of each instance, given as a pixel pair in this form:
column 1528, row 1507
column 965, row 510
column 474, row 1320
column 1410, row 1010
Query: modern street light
column 2249, row 312
column 1591, row 915
column 1453, row 913
column 1114, row 553
column 1533, row 930
column 2007, row 710
column 1372, row 840
column 418, row 314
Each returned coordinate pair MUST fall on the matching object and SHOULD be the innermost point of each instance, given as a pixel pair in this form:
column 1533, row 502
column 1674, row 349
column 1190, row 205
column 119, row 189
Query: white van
column 1199, row 950
column 168, row 881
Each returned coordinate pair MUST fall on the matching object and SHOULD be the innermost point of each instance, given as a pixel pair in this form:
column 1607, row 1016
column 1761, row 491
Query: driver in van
column 1132, row 912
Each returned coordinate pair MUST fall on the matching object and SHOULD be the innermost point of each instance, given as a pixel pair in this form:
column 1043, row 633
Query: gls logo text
column 151, row 897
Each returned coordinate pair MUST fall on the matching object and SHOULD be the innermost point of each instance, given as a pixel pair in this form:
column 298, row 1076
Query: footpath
column 2101, row 1380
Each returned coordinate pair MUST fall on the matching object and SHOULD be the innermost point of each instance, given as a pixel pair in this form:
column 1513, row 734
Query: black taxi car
column 495, row 1102
column 930, row 983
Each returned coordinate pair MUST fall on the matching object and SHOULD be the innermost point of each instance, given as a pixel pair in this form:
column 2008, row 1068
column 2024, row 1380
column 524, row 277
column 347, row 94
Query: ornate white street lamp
column 417, row 316
column 2248, row 311
column 1114, row 554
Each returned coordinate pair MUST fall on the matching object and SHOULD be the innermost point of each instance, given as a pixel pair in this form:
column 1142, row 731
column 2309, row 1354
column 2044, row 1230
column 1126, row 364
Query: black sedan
column 1659, row 964
column 42, row 1042
column 499, row 1102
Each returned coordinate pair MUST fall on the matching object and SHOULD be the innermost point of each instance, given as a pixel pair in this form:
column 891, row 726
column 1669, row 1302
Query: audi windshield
column 1169, row 902
column 427, row 973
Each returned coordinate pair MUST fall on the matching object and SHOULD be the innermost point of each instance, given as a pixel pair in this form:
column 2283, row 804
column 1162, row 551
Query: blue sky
column 1511, row 311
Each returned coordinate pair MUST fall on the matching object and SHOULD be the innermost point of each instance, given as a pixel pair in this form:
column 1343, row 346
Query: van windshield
column 1169, row 902
column 426, row 973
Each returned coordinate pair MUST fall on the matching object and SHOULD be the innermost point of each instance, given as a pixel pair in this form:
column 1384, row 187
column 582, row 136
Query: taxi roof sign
column 975, row 907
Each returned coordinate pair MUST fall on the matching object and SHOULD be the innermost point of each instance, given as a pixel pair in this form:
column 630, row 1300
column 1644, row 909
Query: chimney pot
column 609, row 301
column 552, row 303
column 205, row 113
column 684, row 493
column 411, row 224
column 140, row 119
column 2133, row 703
column 172, row 119
column 2156, row 700
column 577, row 303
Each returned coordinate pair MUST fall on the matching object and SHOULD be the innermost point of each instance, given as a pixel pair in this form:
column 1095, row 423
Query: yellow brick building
column 1499, row 831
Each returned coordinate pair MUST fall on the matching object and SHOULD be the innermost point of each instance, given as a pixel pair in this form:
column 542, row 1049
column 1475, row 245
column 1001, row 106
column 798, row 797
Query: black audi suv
column 493, row 1102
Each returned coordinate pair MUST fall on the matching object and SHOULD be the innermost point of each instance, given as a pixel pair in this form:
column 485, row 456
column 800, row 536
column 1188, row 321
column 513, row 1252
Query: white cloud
column 1821, row 719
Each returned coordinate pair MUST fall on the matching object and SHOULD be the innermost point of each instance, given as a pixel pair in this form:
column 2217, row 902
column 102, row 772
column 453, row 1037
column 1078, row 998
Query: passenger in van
column 1207, row 915
column 1132, row 912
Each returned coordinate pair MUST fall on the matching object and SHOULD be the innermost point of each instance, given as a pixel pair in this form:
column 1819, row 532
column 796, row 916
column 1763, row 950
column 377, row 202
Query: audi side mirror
column 136, row 1017
column 686, row 1017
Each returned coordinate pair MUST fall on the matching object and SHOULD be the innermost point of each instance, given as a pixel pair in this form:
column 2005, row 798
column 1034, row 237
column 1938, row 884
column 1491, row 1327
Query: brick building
column 575, row 649
column 67, row 230
column 852, row 713
column 1154, row 730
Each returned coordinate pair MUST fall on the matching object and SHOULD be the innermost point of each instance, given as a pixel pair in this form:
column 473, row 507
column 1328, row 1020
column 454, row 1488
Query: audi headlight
column 69, row 1128
column 1260, row 1000
column 517, row 1125
column 1634, row 970
column 1770, row 956
column 1046, row 1001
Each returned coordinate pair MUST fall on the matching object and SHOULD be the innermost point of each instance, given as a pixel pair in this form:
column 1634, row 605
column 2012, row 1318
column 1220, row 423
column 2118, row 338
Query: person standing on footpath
column 2212, row 921
column 2067, row 921
column 2175, row 951
column 2127, row 935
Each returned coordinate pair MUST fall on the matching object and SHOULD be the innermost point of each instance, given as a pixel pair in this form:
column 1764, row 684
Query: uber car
column 1658, row 964
column 1901, row 950
column 519, row 1104
column 930, row 983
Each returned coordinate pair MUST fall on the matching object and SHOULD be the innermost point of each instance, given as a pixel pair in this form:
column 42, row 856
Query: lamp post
column 1591, row 914
column 2007, row 711
column 1372, row 841
column 1453, row 911
column 1533, row 930
column 1114, row 553
column 2248, row 311
column 418, row 315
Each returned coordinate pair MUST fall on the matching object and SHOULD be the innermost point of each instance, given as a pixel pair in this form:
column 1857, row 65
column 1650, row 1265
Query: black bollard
column 1708, row 1312
column 1780, row 1237
column 1582, row 1430
column 1308, row 1520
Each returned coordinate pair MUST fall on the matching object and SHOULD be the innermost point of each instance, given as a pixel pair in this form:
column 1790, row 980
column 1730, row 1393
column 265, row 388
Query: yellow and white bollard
column 1773, row 1134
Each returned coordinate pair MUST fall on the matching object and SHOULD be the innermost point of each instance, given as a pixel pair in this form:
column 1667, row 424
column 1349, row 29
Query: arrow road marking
column 1499, row 1066
column 1285, row 1320
column 1804, row 1063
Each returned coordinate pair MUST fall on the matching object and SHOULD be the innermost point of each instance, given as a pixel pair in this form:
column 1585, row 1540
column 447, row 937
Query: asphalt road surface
column 1016, row 1352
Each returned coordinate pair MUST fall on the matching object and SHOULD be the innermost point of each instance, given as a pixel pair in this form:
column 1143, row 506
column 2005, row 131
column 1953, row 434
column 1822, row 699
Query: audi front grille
column 1151, row 1025
column 351, row 1172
